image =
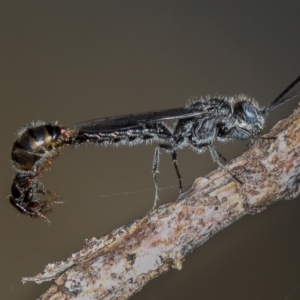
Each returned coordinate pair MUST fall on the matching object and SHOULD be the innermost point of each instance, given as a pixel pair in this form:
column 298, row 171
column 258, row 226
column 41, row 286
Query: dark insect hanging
column 197, row 126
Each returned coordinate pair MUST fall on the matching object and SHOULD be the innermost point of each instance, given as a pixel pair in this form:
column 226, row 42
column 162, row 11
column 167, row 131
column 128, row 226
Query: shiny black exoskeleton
column 197, row 126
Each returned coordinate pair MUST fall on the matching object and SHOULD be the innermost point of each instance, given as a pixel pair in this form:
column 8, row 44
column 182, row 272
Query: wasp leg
column 222, row 156
column 175, row 163
column 215, row 156
column 154, row 173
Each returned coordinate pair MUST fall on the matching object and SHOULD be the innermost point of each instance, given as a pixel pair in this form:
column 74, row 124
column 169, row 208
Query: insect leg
column 45, row 205
column 154, row 172
column 40, row 189
column 215, row 156
column 155, row 168
column 171, row 150
column 222, row 156
column 175, row 163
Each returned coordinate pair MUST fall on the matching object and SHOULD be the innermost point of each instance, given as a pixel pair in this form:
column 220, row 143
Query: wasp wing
column 132, row 121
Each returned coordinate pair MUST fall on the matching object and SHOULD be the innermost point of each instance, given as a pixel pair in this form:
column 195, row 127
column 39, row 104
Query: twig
column 121, row 263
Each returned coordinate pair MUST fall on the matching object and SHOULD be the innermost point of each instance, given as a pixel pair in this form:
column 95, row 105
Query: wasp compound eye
column 250, row 113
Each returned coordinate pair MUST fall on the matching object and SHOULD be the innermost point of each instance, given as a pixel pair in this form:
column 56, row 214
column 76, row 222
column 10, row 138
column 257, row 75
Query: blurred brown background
column 76, row 60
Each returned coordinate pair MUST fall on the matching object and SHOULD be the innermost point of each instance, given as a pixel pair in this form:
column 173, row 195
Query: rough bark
column 121, row 263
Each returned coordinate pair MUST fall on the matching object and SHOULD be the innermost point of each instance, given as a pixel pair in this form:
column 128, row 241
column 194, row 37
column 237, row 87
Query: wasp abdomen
column 33, row 144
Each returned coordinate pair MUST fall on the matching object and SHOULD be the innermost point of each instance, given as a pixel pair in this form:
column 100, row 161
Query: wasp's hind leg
column 155, row 168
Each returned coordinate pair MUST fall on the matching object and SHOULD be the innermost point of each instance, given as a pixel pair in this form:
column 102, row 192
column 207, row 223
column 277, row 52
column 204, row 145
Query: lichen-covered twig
column 121, row 263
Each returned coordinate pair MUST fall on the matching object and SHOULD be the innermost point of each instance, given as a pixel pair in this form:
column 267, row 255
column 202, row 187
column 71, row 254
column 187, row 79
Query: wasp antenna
column 281, row 99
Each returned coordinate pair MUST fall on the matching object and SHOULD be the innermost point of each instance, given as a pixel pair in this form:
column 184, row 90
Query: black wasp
column 197, row 126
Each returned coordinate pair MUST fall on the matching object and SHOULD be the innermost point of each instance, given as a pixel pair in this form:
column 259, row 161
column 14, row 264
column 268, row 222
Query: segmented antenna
column 280, row 99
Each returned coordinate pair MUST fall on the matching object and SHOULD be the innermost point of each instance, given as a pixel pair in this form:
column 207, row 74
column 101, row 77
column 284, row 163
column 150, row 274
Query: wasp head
column 246, row 121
